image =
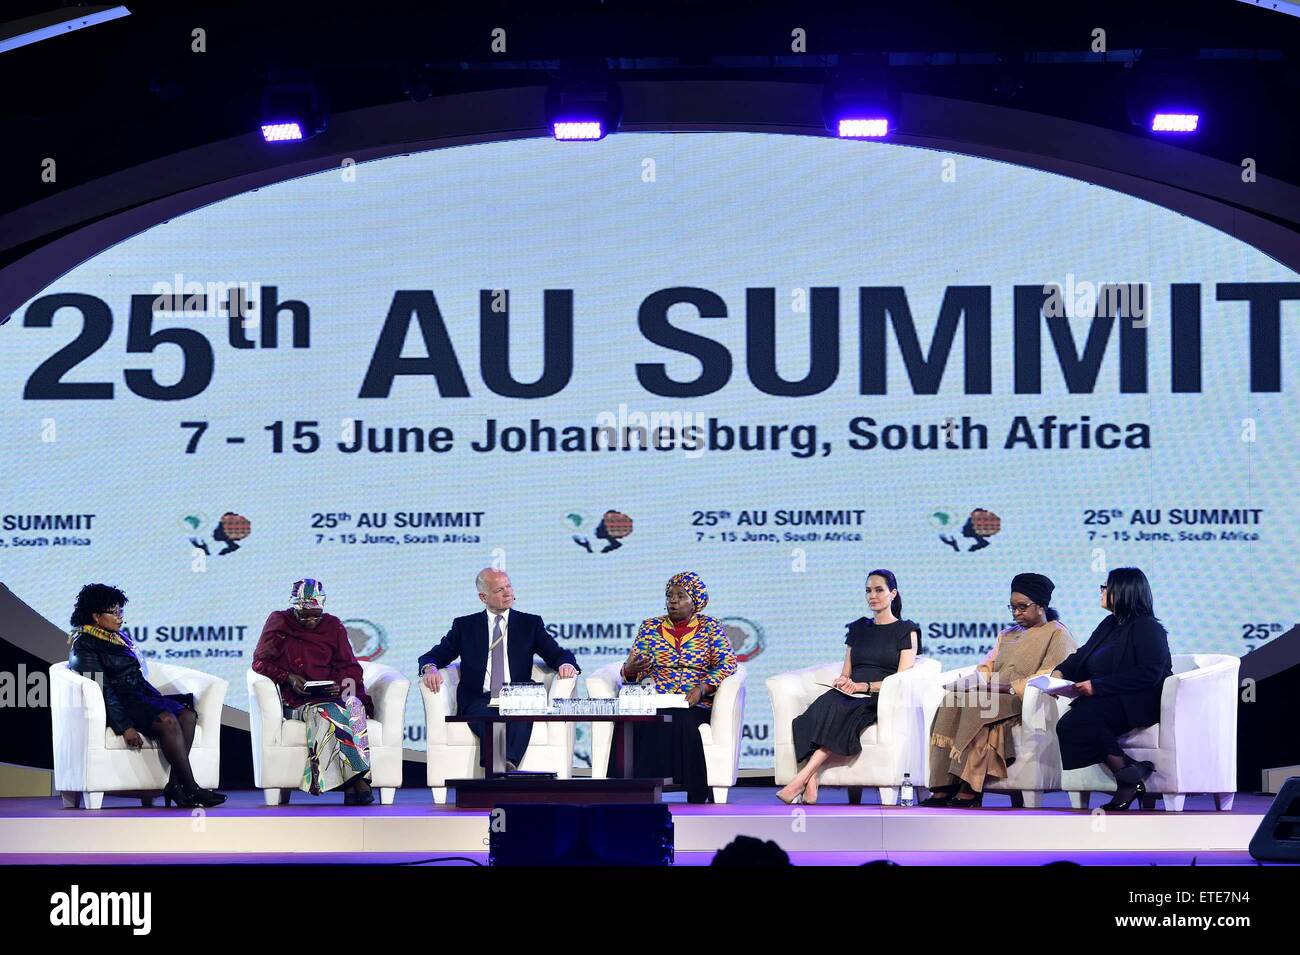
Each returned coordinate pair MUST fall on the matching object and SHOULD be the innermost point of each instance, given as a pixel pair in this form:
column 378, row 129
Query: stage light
column 292, row 112
column 873, row 128
column 1175, row 122
column 1163, row 91
column 583, row 105
column 578, row 129
column 861, row 102
column 281, row 132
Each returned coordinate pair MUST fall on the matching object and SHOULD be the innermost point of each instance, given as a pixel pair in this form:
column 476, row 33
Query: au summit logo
column 230, row 530
column 612, row 528
column 980, row 525
column 747, row 637
column 369, row 640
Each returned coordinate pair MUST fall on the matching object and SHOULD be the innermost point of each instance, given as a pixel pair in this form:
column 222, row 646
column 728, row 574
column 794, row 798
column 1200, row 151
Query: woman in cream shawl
column 970, row 739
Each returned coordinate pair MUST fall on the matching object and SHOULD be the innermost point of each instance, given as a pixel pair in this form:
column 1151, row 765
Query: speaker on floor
column 1278, row 837
column 527, row 834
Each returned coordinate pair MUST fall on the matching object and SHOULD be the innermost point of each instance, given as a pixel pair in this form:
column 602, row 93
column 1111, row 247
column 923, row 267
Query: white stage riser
column 871, row 830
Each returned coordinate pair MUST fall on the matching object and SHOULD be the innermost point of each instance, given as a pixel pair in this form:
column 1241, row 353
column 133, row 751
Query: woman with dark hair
column 970, row 738
column 1118, row 676
column 833, row 725
column 100, row 650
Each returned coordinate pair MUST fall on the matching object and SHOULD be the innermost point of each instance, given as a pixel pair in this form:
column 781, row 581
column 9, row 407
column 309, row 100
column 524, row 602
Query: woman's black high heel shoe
column 974, row 802
column 356, row 796
column 940, row 796
column 174, row 792
column 1117, row 804
column 208, row 797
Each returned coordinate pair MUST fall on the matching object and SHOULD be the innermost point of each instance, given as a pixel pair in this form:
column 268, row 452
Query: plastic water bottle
column 907, row 796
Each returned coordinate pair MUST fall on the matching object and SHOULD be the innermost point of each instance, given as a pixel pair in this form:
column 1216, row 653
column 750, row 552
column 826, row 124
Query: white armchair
column 892, row 746
column 721, row 734
column 1037, row 765
column 1194, row 746
column 280, row 745
column 90, row 759
column 452, row 750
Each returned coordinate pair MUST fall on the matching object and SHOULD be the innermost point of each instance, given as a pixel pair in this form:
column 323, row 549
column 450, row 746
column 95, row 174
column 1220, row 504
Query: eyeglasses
column 1020, row 608
column 114, row 612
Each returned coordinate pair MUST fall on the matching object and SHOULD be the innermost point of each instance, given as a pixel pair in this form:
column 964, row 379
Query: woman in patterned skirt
column 304, row 643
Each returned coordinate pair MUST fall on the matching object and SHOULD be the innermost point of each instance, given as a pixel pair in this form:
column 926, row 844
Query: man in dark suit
column 495, row 646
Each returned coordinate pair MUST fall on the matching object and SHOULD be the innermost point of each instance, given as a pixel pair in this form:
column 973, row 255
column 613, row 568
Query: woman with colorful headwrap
column 970, row 738
column 832, row 727
column 305, row 644
column 681, row 652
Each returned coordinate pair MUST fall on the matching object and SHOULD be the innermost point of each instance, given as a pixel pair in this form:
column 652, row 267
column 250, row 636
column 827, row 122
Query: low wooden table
column 496, row 789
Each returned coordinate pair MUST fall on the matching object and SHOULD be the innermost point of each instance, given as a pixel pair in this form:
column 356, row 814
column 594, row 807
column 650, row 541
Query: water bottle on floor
column 907, row 796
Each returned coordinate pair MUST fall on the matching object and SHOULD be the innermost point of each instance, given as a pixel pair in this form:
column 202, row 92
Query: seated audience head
column 748, row 851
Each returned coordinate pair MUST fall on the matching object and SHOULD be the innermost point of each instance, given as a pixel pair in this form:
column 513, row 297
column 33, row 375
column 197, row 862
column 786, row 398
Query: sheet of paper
column 972, row 681
column 669, row 701
column 1050, row 684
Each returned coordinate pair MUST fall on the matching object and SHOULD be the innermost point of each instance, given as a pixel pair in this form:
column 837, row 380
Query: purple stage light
column 578, row 129
column 281, row 132
column 1175, row 122
column 864, row 128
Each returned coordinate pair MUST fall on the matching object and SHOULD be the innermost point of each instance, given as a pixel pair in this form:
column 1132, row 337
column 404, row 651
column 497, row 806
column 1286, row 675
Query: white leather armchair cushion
column 90, row 759
column 280, row 745
column 891, row 746
column 451, row 750
column 1037, row 765
column 294, row 733
column 1194, row 746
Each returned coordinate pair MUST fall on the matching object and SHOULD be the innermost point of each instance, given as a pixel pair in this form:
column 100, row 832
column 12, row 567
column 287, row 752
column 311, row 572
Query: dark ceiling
column 118, row 94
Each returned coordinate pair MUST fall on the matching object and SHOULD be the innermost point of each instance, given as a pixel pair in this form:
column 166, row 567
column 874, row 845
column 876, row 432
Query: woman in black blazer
column 1118, row 678
column 135, row 708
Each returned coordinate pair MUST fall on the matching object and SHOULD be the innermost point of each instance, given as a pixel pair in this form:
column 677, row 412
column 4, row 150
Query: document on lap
column 971, row 681
column 1050, row 684
column 856, row 696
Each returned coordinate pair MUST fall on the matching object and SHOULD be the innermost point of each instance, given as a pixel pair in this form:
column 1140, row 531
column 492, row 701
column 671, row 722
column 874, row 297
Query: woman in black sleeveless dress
column 834, row 723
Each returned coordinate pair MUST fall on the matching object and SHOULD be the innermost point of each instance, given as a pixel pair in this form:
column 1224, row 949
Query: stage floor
column 414, row 831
